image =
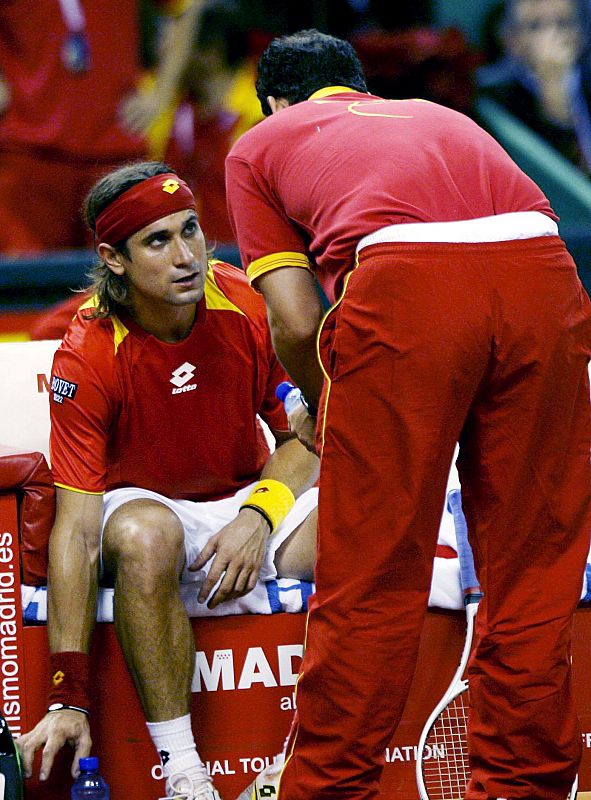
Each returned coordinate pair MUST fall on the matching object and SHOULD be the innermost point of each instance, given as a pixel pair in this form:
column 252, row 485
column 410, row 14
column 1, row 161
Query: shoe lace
column 176, row 784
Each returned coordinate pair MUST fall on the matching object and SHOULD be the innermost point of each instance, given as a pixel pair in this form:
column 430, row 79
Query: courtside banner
column 12, row 648
column 25, row 368
column 243, row 717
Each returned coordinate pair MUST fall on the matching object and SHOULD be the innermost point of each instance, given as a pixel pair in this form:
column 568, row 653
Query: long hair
column 112, row 290
column 297, row 65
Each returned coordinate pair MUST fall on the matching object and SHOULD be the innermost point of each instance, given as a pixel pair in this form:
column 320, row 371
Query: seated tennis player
column 162, row 469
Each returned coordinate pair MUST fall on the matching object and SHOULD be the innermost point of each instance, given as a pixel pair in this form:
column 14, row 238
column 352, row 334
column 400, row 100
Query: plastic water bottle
column 289, row 395
column 11, row 781
column 89, row 785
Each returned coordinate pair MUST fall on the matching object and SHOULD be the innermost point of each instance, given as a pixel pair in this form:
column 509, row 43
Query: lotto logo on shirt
column 63, row 389
column 181, row 377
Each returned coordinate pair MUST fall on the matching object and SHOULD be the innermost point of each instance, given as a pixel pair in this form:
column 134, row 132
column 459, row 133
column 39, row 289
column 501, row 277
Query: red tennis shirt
column 306, row 184
column 180, row 419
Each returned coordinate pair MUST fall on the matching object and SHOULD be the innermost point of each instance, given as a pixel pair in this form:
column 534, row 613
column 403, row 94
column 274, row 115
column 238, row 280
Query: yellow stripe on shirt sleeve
column 73, row 489
column 276, row 261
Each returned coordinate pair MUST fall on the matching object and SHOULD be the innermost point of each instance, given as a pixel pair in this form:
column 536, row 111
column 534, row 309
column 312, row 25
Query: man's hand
column 552, row 54
column 4, row 94
column 304, row 426
column 139, row 110
column 52, row 732
column 239, row 550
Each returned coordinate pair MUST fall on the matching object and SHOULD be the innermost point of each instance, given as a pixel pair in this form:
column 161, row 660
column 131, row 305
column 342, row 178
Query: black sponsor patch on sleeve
column 62, row 389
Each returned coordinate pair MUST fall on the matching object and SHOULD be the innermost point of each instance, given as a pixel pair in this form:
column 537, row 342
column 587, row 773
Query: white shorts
column 201, row 521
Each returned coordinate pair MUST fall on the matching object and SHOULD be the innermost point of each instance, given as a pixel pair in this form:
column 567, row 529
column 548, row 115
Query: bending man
column 460, row 317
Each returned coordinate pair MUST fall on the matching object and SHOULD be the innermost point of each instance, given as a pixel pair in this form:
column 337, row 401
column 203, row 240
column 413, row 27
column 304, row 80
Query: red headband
column 141, row 205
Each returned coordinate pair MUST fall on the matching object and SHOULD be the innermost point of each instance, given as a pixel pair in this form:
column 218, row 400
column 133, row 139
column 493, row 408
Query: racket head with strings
column 445, row 769
column 442, row 768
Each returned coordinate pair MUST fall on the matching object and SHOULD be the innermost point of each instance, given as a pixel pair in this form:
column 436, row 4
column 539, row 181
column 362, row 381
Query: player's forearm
column 73, row 574
column 72, row 593
column 293, row 465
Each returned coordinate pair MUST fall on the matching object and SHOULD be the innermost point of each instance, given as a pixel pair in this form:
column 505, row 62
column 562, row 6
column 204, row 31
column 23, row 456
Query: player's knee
column 146, row 538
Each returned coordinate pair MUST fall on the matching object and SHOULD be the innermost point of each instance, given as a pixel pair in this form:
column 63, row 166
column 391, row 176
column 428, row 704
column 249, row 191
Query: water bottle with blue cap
column 289, row 395
column 90, row 785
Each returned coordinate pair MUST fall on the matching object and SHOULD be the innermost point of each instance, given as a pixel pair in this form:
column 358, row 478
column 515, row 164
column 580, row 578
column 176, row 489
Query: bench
column 246, row 666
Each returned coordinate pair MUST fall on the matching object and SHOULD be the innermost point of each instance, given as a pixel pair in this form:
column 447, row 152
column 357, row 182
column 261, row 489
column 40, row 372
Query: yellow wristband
column 273, row 499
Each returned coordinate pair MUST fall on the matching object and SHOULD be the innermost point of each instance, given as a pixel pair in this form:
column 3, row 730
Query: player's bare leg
column 296, row 556
column 143, row 548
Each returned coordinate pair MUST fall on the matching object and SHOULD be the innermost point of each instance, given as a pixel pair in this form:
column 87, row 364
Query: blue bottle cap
column 283, row 390
column 91, row 763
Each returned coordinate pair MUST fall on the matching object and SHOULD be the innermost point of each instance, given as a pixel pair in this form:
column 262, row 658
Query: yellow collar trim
column 329, row 90
column 215, row 299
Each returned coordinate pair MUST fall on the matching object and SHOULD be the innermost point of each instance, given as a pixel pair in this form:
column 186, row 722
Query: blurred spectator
column 400, row 16
column 70, row 108
column 544, row 77
column 491, row 37
column 404, row 55
column 220, row 105
column 330, row 16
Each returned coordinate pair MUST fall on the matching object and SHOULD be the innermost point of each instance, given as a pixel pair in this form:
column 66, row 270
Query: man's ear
column 277, row 103
column 112, row 258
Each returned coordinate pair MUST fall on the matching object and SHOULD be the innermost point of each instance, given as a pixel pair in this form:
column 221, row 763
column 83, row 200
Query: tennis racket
column 11, row 776
column 442, row 769
column 442, row 765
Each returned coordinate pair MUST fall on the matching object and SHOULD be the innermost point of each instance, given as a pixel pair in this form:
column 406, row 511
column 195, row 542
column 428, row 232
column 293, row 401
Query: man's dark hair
column 297, row 65
column 109, row 289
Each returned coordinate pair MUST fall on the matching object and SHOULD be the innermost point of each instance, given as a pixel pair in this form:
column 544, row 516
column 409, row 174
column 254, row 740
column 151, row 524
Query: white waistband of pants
column 499, row 228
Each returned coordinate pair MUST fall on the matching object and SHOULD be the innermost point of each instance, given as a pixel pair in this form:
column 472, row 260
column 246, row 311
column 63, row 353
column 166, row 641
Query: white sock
column 175, row 744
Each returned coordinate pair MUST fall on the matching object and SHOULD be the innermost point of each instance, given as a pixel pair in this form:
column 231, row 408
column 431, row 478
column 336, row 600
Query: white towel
column 270, row 597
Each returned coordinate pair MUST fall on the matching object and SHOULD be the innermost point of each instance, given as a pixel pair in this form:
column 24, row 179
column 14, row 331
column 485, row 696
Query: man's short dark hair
column 297, row 65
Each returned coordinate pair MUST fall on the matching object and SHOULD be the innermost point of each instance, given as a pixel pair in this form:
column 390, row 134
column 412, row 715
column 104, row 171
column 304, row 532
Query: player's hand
column 239, row 550
column 304, row 426
column 52, row 733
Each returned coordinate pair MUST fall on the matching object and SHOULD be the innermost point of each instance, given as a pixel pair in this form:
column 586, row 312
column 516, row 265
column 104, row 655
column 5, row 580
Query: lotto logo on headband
column 170, row 186
column 141, row 205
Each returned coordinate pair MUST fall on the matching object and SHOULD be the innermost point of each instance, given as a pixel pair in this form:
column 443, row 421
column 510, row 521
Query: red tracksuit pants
column 488, row 345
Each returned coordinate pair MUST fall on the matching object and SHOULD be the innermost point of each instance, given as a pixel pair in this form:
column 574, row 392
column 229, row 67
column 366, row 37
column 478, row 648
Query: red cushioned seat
column 28, row 475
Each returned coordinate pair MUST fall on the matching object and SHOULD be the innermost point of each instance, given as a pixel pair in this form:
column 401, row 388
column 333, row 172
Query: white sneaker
column 181, row 787
column 266, row 783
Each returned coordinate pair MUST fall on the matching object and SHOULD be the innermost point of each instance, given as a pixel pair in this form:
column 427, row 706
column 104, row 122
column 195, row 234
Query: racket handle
column 468, row 579
column 10, row 768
